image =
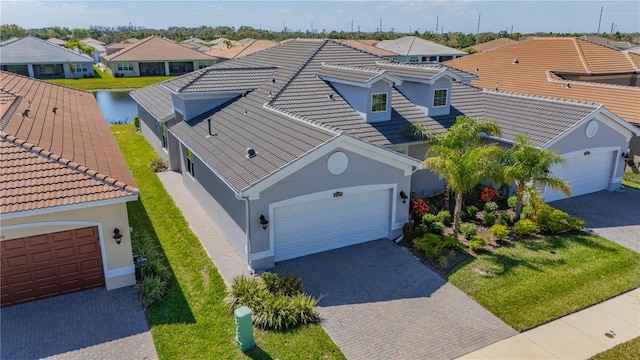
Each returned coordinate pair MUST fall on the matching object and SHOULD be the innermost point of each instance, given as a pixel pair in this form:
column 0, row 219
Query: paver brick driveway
column 379, row 302
column 90, row 324
column 613, row 215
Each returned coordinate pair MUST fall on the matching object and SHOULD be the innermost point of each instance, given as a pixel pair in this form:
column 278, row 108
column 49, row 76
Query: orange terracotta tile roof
column 240, row 49
column 539, row 60
column 154, row 48
column 361, row 45
column 493, row 44
column 61, row 152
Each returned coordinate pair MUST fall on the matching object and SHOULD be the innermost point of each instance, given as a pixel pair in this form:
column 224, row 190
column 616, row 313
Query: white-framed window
column 164, row 136
column 80, row 67
column 414, row 59
column 379, row 102
column 125, row 66
column 189, row 162
column 440, row 97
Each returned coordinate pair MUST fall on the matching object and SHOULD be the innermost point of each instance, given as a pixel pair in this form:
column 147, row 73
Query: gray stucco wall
column 218, row 200
column 606, row 137
column 315, row 178
column 422, row 95
column 424, row 182
column 193, row 107
column 152, row 131
column 360, row 99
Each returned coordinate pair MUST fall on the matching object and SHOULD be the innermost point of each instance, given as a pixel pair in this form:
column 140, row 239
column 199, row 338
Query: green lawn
column 191, row 322
column 631, row 180
column 629, row 350
column 538, row 280
column 104, row 81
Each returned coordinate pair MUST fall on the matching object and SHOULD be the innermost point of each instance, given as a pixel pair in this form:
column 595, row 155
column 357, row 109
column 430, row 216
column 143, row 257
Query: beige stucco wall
column 117, row 258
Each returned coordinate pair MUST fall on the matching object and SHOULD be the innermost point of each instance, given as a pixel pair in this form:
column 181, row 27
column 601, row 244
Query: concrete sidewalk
column 218, row 248
column 576, row 336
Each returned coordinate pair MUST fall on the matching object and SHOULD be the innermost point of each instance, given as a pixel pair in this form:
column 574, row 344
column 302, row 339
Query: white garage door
column 584, row 174
column 314, row 226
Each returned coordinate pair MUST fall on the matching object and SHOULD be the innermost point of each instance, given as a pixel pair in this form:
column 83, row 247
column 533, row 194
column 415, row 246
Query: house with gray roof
column 303, row 147
column 42, row 59
column 413, row 49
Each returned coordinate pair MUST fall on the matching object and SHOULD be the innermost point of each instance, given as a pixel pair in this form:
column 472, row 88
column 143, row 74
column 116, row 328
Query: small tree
column 526, row 164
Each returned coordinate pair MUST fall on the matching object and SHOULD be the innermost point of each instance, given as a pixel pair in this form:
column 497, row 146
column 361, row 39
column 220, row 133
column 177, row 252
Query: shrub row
column 154, row 274
column 277, row 302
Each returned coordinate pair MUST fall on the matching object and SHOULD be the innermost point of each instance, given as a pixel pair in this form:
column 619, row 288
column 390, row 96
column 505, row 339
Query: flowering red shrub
column 418, row 208
column 488, row 194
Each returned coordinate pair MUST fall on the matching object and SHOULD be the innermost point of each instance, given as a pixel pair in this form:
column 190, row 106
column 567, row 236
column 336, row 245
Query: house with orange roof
column 563, row 68
column 492, row 44
column 65, row 188
column 227, row 50
column 154, row 56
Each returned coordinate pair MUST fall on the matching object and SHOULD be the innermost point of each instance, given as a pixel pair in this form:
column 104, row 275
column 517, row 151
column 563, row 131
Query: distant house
column 237, row 49
column 41, row 59
column 155, row 56
column 65, row 188
column 368, row 47
column 412, row 49
column 303, row 147
column 614, row 44
column 493, row 44
column 57, row 41
column 98, row 46
column 197, row 44
column 564, row 68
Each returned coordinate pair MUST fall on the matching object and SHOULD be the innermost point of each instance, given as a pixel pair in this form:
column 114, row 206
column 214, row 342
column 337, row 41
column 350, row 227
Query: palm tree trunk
column 519, row 202
column 456, row 213
column 447, row 195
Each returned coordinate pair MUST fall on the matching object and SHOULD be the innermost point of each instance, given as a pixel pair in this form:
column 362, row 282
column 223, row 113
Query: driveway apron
column 377, row 301
column 613, row 215
column 90, row 324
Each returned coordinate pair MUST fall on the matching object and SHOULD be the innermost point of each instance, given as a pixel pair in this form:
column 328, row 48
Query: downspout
column 247, row 229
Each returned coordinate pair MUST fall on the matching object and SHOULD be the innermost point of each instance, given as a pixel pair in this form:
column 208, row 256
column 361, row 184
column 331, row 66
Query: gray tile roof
column 540, row 119
column 348, row 73
column 217, row 79
column 156, row 100
column 290, row 113
column 418, row 71
column 31, row 50
column 415, row 46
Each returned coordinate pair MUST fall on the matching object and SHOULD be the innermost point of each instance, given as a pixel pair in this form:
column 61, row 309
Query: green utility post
column 244, row 329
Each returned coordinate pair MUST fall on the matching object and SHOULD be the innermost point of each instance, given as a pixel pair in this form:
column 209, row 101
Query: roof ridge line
column 131, row 46
column 631, row 60
column 298, row 70
column 299, row 118
column 541, row 97
column 11, row 109
column 583, row 59
column 353, row 67
column 70, row 164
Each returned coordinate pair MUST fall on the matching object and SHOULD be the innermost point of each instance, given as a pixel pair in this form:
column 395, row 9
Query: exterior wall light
column 403, row 196
column 117, row 236
column 624, row 155
column 264, row 222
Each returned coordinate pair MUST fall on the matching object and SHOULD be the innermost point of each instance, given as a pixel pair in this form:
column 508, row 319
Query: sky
column 397, row 15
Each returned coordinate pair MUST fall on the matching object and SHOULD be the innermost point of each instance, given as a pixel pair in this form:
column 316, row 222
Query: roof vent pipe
column 209, row 123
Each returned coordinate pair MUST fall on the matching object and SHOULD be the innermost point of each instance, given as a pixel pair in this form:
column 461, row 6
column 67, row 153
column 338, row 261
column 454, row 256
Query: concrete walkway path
column 218, row 248
column 576, row 336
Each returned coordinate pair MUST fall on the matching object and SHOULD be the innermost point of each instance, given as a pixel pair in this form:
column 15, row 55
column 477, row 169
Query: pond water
column 116, row 106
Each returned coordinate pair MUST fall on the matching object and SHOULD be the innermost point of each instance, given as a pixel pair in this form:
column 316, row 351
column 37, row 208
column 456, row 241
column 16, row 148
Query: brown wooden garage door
column 42, row 266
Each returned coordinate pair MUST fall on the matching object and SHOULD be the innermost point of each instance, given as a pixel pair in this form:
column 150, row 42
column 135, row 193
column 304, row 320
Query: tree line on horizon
column 109, row 35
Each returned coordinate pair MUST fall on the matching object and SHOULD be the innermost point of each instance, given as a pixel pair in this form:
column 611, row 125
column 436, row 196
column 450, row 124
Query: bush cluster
column 158, row 164
column 477, row 242
column 469, row 230
column 554, row 221
column 155, row 275
column 434, row 246
column 277, row 302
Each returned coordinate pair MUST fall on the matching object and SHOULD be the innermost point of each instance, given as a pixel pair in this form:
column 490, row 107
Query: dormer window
column 379, row 102
column 440, row 97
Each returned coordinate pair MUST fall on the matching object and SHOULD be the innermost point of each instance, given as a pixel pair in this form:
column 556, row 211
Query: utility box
column 244, row 328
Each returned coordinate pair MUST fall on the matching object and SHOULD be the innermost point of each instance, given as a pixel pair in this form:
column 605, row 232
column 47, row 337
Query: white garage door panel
column 584, row 174
column 315, row 226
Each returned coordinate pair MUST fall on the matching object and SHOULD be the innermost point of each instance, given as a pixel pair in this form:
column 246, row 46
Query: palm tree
column 461, row 159
column 525, row 164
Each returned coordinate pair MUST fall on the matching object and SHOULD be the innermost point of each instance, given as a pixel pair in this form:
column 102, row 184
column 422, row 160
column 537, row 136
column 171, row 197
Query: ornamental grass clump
column 154, row 274
column 277, row 302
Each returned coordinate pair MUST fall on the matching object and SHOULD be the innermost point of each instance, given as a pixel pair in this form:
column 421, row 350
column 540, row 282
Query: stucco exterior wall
column 219, row 201
column 424, row 182
column 360, row 99
column 151, row 129
column 117, row 258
